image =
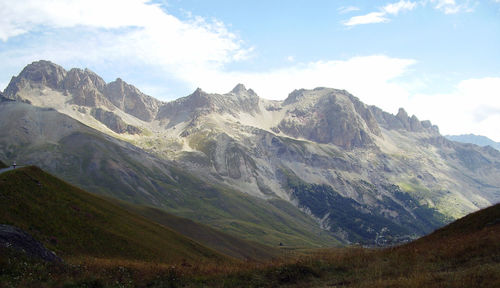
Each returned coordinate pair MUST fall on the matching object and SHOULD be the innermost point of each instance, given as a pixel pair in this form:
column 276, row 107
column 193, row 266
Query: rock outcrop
column 113, row 121
column 132, row 101
column 402, row 121
column 329, row 116
column 83, row 88
column 17, row 239
column 36, row 75
column 200, row 103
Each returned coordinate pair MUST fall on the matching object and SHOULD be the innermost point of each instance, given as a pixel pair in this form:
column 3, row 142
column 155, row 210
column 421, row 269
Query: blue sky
column 439, row 59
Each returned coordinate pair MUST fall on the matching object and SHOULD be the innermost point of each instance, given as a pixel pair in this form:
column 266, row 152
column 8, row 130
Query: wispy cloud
column 452, row 7
column 370, row 18
column 348, row 9
column 395, row 8
column 381, row 16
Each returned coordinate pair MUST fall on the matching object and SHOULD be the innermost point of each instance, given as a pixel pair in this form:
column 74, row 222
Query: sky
column 438, row 59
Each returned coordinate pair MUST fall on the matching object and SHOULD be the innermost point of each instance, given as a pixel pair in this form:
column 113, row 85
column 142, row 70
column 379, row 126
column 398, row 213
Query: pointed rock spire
column 239, row 88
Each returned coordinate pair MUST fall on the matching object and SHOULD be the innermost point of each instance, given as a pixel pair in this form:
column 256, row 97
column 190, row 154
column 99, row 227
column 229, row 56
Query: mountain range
column 318, row 168
column 474, row 139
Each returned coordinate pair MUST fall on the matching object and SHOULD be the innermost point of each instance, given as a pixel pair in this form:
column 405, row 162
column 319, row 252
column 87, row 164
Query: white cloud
column 370, row 18
column 372, row 78
column 395, row 8
column 381, row 15
column 134, row 28
column 452, row 7
column 348, row 9
column 472, row 107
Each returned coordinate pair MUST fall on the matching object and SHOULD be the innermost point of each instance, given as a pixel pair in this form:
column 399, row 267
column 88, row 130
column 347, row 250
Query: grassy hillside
column 482, row 220
column 212, row 238
column 76, row 224
column 463, row 254
column 3, row 165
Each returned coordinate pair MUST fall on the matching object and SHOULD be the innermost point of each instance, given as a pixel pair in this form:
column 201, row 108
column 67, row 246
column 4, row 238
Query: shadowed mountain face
column 361, row 174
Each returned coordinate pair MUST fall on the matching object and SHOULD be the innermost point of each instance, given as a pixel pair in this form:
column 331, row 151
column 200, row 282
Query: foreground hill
column 76, row 224
column 337, row 165
column 465, row 253
column 57, row 206
column 212, row 238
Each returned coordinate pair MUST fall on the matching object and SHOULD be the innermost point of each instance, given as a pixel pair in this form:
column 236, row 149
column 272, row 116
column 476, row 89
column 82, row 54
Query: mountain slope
column 483, row 221
column 77, row 224
column 394, row 168
column 104, row 165
column 212, row 238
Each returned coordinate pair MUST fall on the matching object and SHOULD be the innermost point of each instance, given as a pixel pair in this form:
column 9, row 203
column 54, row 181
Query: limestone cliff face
column 86, row 87
column 329, row 116
column 132, row 101
column 402, row 121
column 200, row 103
column 83, row 88
column 113, row 121
column 38, row 74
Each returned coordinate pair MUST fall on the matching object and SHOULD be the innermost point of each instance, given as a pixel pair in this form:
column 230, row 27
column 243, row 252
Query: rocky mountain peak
column 242, row 92
column 131, row 100
column 239, row 88
column 295, row 96
column 402, row 114
column 39, row 73
column 199, row 93
column 83, row 79
column 45, row 73
column 402, row 121
column 329, row 116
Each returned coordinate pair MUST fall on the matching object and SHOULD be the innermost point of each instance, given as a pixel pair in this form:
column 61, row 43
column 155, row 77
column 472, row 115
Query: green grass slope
column 464, row 254
column 476, row 222
column 3, row 165
column 77, row 224
column 212, row 238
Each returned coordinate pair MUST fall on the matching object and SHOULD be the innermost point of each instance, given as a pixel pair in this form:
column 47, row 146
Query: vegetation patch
column 74, row 223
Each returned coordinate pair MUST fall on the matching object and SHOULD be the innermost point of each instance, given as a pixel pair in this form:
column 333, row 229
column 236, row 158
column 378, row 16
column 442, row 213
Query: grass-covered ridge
column 76, row 224
column 3, row 165
column 463, row 254
column 212, row 238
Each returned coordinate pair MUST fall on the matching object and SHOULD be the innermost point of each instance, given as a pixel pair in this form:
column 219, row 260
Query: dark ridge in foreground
column 465, row 253
column 76, row 224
